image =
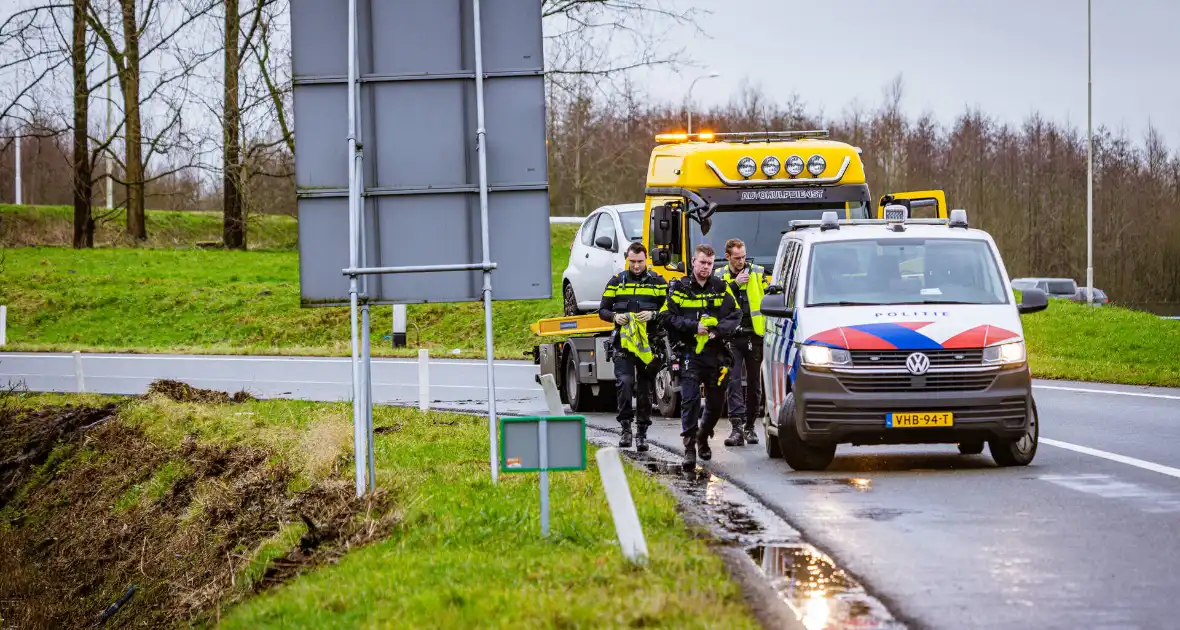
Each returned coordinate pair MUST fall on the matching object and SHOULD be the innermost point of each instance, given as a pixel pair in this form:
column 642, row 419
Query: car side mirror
column 773, row 289
column 605, row 242
column 1032, row 301
column 706, row 225
column 661, row 257
column 677, row 267
column 775, row 305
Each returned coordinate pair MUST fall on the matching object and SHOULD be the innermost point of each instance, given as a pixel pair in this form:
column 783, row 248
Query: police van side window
column 794, row 258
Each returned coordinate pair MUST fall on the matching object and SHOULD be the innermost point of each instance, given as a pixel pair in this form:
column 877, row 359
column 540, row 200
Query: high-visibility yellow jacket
column 754, row 289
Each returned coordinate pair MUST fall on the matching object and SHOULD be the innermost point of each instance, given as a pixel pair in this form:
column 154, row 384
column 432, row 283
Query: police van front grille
column 896, row 358
column 898, row 383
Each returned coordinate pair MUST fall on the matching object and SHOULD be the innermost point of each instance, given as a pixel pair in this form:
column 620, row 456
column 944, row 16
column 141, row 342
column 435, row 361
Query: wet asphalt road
column 1088, row 536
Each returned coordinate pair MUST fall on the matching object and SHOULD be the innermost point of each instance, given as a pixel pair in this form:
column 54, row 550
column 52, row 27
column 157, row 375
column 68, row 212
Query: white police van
column 895, row 331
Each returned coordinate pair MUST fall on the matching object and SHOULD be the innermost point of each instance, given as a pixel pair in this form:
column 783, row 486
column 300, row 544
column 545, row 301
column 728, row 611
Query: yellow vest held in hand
column 704, row 339
column 633, row 338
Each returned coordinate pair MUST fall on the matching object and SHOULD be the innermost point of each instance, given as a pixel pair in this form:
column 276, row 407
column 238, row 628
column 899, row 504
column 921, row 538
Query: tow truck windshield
column 761, row 228
column 903, row 271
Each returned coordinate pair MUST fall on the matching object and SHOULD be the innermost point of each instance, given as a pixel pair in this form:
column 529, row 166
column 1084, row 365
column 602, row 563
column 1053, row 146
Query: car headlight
column 747, row 166
column 816, row 165
column 1005, row 354
column 770, row 166
column 794, row 165
column 823, row 356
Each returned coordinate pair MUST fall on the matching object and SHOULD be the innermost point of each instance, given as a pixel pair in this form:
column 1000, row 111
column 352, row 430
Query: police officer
column 637, row 290
column 748, row 283
column 702, row 311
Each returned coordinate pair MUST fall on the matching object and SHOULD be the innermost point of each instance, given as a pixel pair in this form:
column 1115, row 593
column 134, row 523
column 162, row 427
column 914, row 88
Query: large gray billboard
column 417, row 126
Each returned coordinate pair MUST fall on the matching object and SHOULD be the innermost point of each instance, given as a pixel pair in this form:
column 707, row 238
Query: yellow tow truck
column 707, row 188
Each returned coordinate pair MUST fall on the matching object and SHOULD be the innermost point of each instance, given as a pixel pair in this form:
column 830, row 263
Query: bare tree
column 83, row 185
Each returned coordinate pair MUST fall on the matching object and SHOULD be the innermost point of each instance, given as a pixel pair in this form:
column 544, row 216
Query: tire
column 581, row 399
column 773, row 448
column 569, row 300
column 971, row 447
column 1018, row 452
column 666, row 397
column 799, row 454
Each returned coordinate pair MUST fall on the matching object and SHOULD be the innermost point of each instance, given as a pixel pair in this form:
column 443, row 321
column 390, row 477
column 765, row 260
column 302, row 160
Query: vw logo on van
column 917, row 363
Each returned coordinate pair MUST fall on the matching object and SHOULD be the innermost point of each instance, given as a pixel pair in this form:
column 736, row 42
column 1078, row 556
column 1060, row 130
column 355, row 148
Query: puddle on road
column 821, row 595
column 856, row 483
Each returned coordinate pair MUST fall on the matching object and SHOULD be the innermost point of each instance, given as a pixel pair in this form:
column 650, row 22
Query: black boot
column 736, row 437
column 751, row 435
column 625, row 440
column 690, row 453
column 641, row 439
column 703, row 450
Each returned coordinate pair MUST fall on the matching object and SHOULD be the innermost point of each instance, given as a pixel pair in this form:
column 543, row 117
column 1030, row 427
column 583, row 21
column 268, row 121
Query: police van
column 895, row 331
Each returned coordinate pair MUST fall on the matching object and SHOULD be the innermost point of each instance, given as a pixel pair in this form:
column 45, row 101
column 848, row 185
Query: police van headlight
column 823, row 356
column 816, row 165
column 747, row 167
column 1005, row 354
column 794, row 165
column 770, row 166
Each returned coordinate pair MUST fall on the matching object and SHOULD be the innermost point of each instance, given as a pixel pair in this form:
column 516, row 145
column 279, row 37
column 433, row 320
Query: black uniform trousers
column 702, row 369
column 632, row 379
column 746, row 351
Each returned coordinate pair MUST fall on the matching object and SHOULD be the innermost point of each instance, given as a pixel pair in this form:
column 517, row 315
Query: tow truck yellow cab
column 751, row 186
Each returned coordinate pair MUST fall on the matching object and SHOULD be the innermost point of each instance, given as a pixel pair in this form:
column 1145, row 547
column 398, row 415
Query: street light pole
column 711, row 75
column 1089, row 162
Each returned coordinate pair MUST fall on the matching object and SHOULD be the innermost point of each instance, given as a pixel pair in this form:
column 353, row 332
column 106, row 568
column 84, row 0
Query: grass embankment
column 26, row 226
column 452, row 550
column 206, row 301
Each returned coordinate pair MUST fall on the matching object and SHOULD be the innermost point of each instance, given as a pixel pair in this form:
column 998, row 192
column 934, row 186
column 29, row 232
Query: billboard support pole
column 360, row 449
column 482, row 150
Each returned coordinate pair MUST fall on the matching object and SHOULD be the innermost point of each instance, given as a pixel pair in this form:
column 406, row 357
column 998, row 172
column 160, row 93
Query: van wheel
column 1018, row 452
column 773, row 449
column 581, row 399
column 568, row 298
column 799, row 454
column 667, row 397
column 971, row 447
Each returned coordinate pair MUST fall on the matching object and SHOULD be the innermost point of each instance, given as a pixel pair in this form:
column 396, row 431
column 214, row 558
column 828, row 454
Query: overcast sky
column 1007, row 57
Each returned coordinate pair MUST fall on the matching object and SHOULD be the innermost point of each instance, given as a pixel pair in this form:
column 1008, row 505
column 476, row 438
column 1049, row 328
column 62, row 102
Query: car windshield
column 904, row 271
column 762, row 228
column 632, row 224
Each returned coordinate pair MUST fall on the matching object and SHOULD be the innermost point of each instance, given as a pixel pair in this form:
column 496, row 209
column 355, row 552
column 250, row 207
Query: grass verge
column 456, row 551
column 38, row 226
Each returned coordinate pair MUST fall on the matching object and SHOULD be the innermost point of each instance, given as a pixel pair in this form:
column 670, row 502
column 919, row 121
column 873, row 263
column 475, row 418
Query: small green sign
column 520, row 443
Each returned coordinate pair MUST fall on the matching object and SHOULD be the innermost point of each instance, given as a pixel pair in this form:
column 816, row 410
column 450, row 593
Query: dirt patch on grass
column 96, row 519
column 185, row 393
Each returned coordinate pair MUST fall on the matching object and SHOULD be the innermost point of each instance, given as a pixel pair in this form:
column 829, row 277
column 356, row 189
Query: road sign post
column 420, row 160
column 541, row 444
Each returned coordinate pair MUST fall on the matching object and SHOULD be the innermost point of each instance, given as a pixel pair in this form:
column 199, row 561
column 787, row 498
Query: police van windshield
column 904, row 271
column 762, row 228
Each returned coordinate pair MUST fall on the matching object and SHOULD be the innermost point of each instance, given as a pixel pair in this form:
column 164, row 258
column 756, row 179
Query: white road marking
column 1108, row 487
column 1122, row 459
column 1084, row 390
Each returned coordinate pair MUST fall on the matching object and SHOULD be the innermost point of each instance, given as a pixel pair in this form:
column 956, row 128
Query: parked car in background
column 599, row 252
column 1064, row 288
column 1099, row 296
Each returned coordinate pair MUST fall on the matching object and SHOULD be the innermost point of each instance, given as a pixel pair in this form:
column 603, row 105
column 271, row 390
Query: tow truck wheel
column 580, row 397
column 1018, row 452
column 667, row 397
column 569, row 300
column 799, row 454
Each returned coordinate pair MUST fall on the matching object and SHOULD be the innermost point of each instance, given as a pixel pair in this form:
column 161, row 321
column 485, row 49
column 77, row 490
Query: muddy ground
column 101, row 526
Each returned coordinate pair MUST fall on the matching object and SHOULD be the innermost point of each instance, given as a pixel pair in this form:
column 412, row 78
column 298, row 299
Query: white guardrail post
column 423, row 379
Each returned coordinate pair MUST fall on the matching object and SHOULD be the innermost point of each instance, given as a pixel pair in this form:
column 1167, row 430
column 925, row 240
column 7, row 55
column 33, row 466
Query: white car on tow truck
column 895, row 331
